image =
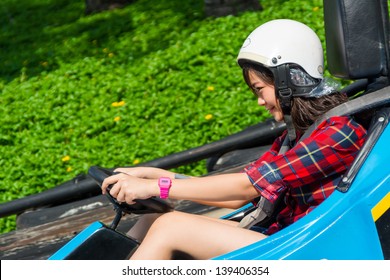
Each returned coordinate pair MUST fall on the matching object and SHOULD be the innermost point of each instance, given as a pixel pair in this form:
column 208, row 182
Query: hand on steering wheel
column 140, row 206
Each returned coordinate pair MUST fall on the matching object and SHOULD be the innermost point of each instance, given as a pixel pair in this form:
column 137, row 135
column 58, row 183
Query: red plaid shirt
column 310, row 171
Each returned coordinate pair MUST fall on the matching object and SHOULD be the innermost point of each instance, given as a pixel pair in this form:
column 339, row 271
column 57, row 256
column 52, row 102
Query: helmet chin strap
column 284, row 93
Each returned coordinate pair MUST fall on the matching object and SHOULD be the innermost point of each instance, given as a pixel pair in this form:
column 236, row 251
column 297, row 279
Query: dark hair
column 262, row 72
column 304, row 111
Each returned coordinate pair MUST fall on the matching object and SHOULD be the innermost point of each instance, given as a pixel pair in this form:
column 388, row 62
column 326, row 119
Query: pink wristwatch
column 165, row 184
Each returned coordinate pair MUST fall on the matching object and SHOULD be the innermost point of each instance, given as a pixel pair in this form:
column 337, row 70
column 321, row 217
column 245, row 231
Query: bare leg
column 201, row 237
column 142, row 226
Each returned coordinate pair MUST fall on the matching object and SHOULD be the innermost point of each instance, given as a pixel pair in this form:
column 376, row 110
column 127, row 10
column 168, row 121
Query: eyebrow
column 253, row 85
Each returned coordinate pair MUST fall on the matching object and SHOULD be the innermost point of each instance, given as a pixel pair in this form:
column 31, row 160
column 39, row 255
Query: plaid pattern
column 310, row 171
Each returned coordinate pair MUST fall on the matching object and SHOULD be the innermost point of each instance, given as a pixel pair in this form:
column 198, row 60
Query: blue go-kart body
column 354, row 222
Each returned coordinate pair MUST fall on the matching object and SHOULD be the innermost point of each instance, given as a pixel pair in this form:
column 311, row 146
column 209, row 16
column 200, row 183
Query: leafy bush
column 120, row 87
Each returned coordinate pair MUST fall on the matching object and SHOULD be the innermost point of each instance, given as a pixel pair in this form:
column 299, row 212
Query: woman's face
column 266, row 96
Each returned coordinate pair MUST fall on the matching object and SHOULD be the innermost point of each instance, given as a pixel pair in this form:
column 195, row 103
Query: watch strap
column 164, row 184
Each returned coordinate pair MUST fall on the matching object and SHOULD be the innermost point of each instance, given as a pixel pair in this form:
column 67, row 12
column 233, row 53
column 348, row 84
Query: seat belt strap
column 263, row 210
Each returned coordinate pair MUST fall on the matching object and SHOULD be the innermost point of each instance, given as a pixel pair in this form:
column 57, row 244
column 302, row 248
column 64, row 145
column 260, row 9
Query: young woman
column 282, row 63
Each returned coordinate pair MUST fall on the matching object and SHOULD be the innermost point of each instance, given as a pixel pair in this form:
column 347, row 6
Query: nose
column 260, row 101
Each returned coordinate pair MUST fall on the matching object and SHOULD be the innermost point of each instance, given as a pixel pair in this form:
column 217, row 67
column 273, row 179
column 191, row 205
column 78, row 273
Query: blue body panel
column 342, row 227
column 69, row 247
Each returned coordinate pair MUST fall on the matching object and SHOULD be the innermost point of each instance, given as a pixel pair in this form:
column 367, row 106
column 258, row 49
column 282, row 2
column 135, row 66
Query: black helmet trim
column 294, row 78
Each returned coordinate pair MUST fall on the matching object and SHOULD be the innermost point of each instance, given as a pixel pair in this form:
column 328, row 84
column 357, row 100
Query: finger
column 120, row 169
column 124, row 196
column 110, row 181
column 127, row 171
column 115, row 189
column 120, row 198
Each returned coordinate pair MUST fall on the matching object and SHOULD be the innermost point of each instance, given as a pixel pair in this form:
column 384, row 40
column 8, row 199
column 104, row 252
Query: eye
column 257, row 91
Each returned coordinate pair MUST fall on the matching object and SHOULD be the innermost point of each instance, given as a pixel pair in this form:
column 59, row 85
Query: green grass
column 119, row 87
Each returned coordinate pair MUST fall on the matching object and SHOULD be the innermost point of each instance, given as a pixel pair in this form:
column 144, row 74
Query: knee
column 166, row 222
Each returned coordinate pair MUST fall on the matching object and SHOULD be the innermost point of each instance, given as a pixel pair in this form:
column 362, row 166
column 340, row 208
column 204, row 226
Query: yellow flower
column 208, row 117
column 315, row 9
column 110, row 54
column 44, row 63
column 118, row 104
column 66, row 158
column 105, row 50
column 69, row 169
column 117, row 119
column 136, row 161
column 210, row 88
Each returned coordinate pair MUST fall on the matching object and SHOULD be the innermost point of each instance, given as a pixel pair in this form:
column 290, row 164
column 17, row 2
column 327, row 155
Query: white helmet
column 284, row 41
column 293, row 53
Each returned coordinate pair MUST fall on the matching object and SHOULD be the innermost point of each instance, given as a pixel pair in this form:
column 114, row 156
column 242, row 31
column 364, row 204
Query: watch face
column 164, row 181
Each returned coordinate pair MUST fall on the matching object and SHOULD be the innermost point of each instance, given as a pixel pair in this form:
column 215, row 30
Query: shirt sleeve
column 330, row 149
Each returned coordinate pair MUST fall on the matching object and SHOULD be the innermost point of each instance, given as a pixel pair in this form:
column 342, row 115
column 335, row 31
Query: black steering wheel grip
column 142, row 206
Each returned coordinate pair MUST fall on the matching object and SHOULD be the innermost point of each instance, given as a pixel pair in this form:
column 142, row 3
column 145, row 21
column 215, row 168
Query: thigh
column 204, row 237
column 140, row 229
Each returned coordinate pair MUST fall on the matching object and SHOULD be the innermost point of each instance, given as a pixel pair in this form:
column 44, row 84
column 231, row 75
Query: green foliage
column 119, row 87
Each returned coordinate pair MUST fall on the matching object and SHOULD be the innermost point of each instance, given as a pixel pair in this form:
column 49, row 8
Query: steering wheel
column 142, row 206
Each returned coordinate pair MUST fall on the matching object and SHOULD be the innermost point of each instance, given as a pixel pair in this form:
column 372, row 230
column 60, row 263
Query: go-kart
column 354, row 222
